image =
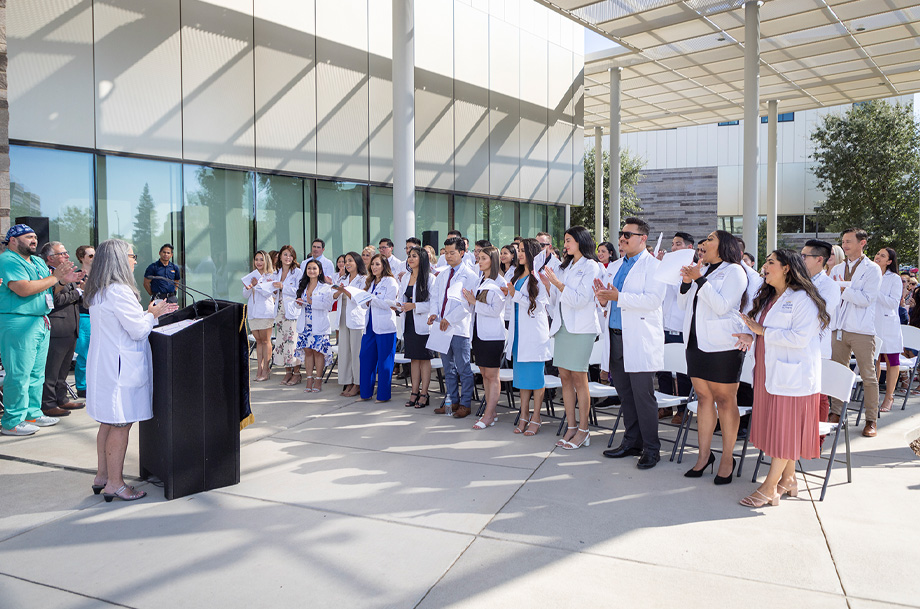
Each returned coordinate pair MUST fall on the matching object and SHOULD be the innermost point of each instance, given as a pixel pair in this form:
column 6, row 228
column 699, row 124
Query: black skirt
column 414, row 343
column 487, row 353
column 715, row 367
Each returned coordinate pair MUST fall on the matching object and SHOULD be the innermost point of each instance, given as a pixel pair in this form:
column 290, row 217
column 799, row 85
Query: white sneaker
column 23, row 429
column 44, row 421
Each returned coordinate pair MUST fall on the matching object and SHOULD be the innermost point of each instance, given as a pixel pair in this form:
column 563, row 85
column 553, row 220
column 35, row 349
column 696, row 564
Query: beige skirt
column 261, row 324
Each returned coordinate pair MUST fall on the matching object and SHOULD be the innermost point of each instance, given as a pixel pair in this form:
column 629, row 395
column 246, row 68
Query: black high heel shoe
column 418, row 402
column 698, row 473
column 97, row 488
column 727, row 479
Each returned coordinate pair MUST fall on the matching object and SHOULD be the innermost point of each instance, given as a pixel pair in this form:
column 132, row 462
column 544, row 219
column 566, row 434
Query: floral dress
column 284, row 353
column 317, row 342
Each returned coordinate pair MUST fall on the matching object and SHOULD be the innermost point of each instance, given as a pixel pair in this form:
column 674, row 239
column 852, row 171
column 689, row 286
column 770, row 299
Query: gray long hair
column 109, row 266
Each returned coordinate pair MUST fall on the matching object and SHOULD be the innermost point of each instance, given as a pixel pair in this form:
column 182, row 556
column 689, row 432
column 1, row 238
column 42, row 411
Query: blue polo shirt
column 616, row 316
column 162, row 277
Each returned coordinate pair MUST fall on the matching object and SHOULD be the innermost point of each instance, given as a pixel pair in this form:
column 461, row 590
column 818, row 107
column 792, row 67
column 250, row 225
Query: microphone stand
column 186, row 291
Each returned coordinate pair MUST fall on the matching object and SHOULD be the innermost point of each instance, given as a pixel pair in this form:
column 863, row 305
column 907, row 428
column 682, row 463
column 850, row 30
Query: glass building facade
column 216, row 218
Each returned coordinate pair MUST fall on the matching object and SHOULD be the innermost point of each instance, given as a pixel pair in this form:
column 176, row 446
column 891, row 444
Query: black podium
column 200, row 394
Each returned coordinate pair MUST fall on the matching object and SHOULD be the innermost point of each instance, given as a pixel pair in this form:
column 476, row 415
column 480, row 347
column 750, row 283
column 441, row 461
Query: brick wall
column 679, row 200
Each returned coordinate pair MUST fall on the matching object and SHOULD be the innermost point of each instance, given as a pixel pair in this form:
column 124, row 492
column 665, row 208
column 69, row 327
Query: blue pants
column 23, row 349
column 82, row 350
column 377, row 354
column 458, row 376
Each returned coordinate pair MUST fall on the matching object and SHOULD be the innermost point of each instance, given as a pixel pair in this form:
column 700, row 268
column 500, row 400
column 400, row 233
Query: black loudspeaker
column 430, row 237
column 40, row 225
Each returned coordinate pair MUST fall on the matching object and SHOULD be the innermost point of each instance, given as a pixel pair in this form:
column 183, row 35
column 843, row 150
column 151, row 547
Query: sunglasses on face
column 625, row 234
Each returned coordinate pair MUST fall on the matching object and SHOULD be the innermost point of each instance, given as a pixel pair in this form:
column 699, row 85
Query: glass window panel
column 470, row 217
column 431, row 215
column 218, row 216
column 811, row 224
column 340, row 216
column 501, row 223
column 556, row 223
column 280, row 213
column 56, row 184
column 380, row 219
column 140, row 201
column 789, row 224
column 533, row 219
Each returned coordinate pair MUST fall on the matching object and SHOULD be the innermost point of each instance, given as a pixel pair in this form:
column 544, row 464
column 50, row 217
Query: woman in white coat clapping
column 119, row 369
column 286, row 282
column 314, row 298
column 575, row 328
column 414, row 290
column 378, row 346
column 352, row 318
column 528, row 344
column 260, row 296
column 488, row 336
column 787, row 317
column 888, row 323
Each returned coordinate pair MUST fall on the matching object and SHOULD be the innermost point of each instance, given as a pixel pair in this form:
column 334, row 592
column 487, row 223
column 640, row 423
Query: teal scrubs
column 24, row 335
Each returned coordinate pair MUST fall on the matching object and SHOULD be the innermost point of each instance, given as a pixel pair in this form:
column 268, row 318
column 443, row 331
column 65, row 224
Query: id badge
column 49, row 301
column 839, row 334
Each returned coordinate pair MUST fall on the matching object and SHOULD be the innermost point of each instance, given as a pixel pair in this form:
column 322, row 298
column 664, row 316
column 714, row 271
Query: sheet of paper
column 247, row 280
column 658, row 245
column 359, row 296
column 441, row 269
column 539, row 260
column 668, row 271
column 172, row 328
column 455, row 291
column 439, row 341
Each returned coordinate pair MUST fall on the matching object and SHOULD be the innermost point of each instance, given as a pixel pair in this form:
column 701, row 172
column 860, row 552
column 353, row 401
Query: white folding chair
column 675, row 362
column 911, row 336
column 837, row 381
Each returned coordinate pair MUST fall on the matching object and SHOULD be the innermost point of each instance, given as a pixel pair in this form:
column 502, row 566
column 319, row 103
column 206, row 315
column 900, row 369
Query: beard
column 25, row 248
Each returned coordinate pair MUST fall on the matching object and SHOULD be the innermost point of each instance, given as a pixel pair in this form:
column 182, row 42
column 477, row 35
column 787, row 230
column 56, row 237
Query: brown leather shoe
column 870, row 430
column 678, row 419
column 461, row 412
column 833, row 418
column 664, row 413
column 440, row 410
column 72, row 406
column 55, row 412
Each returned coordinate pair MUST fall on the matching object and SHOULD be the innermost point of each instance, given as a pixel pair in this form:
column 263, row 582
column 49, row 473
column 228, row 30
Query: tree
column 144, row 221
column 630, row 167
column 867, row 162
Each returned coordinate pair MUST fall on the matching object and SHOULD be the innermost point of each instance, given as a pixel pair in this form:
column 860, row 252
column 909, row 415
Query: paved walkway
column 352, row 504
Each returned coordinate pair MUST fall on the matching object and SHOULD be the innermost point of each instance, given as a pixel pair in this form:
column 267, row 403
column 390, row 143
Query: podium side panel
column 221, row 402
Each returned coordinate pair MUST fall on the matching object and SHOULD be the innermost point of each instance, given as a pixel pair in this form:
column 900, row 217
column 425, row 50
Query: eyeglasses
column 546, row 245
column 89, row 255
column 812, row 256
column 625, row 234
column 132, row 256
column 64, row 253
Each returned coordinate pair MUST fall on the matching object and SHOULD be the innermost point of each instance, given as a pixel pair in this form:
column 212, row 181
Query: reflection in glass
column 431, row 214
column 57, row 184
column 218, row 230
column 556, row 224
column 470, row 217
column 380, row 219
column 281, row 212
column 139, row 201
column 533, row 219
column 340, row 216
column 501, row 223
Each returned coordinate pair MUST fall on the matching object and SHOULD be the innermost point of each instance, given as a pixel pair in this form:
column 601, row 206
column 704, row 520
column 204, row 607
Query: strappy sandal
column 562, row 441
column 135, row 494
column 754, row 502
column 418, row 402
column 792, row 491
column 520, row 429
column 293, row 382
column 309, row 387
column 413, row 402
column 480, row 424
column 529, row 432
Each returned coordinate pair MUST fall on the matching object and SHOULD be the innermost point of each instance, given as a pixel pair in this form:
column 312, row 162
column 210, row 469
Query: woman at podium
column 119, row 369
column 314, row 296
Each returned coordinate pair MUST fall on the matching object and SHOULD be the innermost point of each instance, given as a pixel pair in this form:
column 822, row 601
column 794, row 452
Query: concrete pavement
column 345, row 503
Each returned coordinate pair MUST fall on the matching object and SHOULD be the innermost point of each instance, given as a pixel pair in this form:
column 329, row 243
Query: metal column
column 403, row 121
column 750, row 188
column 598, row 185
column 771, row 175
column 615, row 74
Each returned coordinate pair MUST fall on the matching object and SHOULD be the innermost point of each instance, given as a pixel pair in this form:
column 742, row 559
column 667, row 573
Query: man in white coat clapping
column 816, row 253
column 633, row 297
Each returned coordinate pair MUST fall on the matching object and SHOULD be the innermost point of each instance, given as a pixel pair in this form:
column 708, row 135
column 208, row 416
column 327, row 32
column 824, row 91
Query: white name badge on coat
column 49, row 301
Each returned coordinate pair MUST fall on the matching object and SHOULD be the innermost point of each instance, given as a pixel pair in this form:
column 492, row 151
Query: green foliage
column 630, row 167
column 144, row 222
column 867, row 162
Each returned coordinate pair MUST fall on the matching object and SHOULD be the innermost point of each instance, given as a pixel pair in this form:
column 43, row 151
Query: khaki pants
column 863, row 347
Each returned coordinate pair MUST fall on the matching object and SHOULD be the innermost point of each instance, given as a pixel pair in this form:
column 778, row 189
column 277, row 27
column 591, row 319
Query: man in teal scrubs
column 26, row 298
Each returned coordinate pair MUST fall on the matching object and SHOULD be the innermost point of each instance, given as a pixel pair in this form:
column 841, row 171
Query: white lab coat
column 261, row 299
column 422, row 309
column 460, row 317
column 382, row 314
column 490, row 315
column 640, row 303
column 509, row 304
column 320, row 305
column 289, row 292
column 717, row 305
column 119, row 366
column 576, row 304
column 534, row 341
column 792, row 346
column 355, row 316
column 754, row 283
column 887, row 320
column 830, row 292
column 857, row 302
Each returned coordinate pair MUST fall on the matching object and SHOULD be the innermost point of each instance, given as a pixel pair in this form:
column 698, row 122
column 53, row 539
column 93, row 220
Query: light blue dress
column 527, row 375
